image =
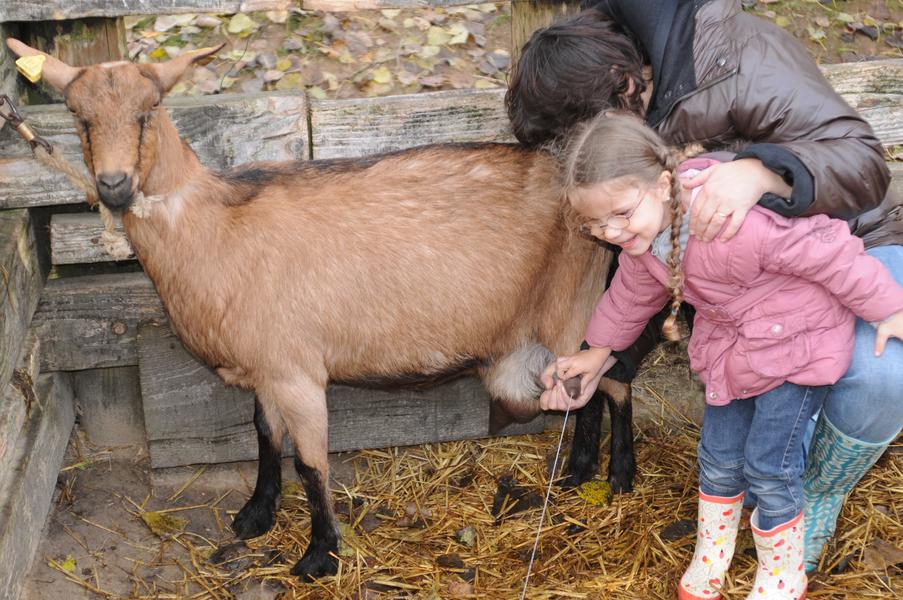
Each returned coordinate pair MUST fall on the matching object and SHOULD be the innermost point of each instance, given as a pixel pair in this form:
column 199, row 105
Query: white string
column 545, row 504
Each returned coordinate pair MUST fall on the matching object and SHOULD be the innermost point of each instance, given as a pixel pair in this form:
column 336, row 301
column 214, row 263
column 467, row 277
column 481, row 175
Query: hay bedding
column 418, row 523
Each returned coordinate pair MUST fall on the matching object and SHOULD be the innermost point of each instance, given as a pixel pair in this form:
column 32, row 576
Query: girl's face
column 625, row 212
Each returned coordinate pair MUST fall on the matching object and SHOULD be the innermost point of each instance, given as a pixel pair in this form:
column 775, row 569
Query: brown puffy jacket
column 750, row 80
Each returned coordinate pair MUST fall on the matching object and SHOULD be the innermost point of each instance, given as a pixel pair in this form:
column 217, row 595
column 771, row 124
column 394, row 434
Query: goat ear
column 55, row 72
column 171, row 71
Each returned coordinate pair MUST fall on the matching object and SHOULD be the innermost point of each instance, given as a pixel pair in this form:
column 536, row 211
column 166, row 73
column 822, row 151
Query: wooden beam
column 26, row 488
column 92, row 322
column 192, row 417
column 50, row 10
column 18, row 399
column 20, row 286
column 9, row 84
column 75, row 238
column 362, row 126
column 224, row 131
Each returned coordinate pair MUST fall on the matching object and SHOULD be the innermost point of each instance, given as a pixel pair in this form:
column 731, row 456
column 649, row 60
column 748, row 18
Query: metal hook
column 18, row 123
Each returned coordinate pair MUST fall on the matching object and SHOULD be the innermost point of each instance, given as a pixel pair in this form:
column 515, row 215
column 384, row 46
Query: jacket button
column 777, row 328
column 713, row 395
column 721, row 61
column 744, row 392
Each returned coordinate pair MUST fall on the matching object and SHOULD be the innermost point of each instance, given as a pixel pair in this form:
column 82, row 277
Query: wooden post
column 78, row 42
column 8, row 82
column 529, row 15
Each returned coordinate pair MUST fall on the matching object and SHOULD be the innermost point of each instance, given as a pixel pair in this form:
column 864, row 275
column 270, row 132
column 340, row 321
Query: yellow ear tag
column 31, row 67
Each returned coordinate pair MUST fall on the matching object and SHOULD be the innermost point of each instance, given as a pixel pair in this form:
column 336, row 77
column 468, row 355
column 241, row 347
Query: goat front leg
column 622, row 463
column 259, row 514
column 302, row 404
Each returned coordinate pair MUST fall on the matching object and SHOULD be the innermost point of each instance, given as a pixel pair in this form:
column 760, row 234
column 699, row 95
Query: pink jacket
column 776, row 303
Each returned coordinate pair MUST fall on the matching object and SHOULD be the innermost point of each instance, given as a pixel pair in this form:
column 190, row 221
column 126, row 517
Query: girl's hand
column 589, row 365
column 889, row 327
column 729, row 191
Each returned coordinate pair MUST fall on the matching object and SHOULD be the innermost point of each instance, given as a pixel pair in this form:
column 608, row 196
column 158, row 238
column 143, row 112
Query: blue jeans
column 867, row 403
column 757, row 443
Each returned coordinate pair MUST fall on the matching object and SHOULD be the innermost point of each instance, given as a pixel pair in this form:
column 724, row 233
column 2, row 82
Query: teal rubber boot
column 835, row 465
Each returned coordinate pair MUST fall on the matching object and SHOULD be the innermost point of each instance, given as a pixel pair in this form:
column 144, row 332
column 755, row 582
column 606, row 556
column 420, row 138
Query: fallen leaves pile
column 335, row 55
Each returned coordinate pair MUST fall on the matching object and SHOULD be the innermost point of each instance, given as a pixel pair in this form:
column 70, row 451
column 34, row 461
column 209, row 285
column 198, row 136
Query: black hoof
column 253, row 520
column 579, row 472
column 314, row 565
column 621, row 480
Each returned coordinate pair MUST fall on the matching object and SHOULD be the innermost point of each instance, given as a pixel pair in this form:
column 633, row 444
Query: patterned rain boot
column 836, row 463
column 780, row 575
column 716, row 534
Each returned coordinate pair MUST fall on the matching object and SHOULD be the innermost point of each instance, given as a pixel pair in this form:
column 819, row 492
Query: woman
column 719, row 77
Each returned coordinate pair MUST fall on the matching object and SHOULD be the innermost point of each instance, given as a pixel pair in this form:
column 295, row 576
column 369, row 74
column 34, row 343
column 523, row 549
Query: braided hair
column 616, row 145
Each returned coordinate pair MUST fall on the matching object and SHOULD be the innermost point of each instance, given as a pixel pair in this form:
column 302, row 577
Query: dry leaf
column 163, row 524
column 382, row 75
column 437, row 36
column 880, row 555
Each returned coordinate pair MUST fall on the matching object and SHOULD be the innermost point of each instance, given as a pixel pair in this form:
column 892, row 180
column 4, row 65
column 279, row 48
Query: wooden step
column 92, row 322
column 20, row 286
column 27, row 485
column 192, row 417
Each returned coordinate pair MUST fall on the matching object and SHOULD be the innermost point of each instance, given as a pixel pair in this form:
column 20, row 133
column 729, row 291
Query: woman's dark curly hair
column 569, row 72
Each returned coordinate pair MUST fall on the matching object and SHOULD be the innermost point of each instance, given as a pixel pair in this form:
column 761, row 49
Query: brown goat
column 286, row 276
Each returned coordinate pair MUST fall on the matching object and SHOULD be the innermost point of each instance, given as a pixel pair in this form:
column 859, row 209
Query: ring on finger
column 723, row 215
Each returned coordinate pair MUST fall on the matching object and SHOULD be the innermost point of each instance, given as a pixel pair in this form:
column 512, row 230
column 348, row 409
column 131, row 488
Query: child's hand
column 889, row 327
column 589, row 365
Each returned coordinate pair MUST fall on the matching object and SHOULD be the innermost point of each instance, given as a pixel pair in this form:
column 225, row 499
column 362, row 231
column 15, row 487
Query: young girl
column 775, row 310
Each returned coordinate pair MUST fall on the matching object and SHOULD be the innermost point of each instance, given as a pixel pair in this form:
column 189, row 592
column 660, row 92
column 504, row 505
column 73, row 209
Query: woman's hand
column 589, row 365
column 888, row 328
column 729, row 190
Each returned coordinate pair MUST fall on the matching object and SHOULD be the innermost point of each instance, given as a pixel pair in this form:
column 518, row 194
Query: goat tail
column 513, row 382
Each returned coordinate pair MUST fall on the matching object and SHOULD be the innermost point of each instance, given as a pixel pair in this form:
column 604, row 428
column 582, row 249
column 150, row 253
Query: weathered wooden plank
column 224, row 131
column 20, row 286
column 17, row 398
column 362, row 126
column 26, row 489
column 873, row 77
column 8, row 78
column 92, row 322
column 48, row 10
column 192, row 417
column 110, row 406
column 75, row 238
column 53, row 10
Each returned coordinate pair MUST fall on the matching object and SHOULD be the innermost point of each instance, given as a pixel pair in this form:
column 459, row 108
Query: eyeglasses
column 619, row 222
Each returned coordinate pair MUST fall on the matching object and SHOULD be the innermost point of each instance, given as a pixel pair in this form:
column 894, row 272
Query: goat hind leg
column 583, row 461
column 259, row 514
column 622, row 462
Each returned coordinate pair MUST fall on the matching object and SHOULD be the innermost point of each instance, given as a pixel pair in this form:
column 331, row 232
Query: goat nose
column 111, row 181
